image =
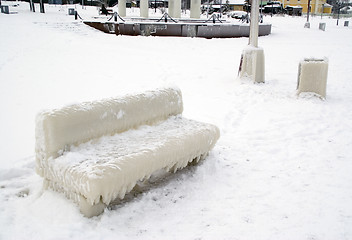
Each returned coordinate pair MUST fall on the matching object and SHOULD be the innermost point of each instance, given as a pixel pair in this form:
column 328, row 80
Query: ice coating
column 312, row 76
column 107, row 168
column 58, row 129
column 96, row 152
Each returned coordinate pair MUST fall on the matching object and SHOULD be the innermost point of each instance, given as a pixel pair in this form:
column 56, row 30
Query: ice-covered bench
column 95, row 152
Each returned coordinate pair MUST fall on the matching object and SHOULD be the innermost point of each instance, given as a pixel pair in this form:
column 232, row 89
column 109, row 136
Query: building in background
column 236, row 5
column 316, row 6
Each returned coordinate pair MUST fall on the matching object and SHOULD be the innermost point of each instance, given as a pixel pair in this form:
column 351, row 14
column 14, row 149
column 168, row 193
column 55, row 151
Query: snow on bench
column 96, row 152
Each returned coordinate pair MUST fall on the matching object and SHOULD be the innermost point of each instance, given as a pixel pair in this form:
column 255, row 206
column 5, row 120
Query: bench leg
column 87, row 209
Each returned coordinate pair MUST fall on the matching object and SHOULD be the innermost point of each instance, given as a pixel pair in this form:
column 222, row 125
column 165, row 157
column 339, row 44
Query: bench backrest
column 57, row 130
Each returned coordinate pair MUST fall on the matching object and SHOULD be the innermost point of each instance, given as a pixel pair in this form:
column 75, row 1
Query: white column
column 171, row 7
column 254, row 25
column 121, row 7
column 252, row 60
column 317, row 5
column 144, row 10
column 195, row 8
column 177, row 9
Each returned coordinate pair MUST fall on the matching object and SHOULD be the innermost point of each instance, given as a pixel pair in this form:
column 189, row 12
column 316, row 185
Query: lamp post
column 42, row 6
column 307, row 24
column 254, row 26
column 272, row 10
column 338, row 12
column 31, row 5
column 252, row 59
column 261, row 11
column 308, row 10
column 247, row 17
column 208, row 8
column 220, row 8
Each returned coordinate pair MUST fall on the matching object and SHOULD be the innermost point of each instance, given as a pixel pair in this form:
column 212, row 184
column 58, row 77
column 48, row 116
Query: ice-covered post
column 121, row 6
column 171, row 7
column 144, row 9
column 254, row 25
column 175, row 8
column 252, row 60
column 195, row 8
column 312, row 76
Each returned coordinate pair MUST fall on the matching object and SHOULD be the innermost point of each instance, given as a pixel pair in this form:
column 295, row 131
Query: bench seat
column 106, row 168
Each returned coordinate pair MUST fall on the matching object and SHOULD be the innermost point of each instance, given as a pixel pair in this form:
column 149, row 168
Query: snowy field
column 282, row 168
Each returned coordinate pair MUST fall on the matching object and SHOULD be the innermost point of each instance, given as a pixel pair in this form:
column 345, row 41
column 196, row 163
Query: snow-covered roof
column 236, row 2
column 294, row 6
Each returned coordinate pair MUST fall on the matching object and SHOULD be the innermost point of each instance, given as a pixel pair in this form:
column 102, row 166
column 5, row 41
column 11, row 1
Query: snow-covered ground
column 282, row 168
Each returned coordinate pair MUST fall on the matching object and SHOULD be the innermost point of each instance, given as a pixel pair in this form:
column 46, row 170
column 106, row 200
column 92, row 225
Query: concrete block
column 312, row 76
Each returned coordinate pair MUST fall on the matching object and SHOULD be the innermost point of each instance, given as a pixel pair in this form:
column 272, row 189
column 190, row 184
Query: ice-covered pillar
column 171, row 7
column 312, row 76
column 144, row 11
column 254, row 25
column 195, row 8
column 122, row 8
column 252, row 60
column 175, row 8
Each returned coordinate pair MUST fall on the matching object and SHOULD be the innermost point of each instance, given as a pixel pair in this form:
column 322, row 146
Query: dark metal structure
column 179, row 29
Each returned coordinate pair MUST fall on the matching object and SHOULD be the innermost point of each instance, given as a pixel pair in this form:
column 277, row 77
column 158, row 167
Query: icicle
column 122, row 192
column 131, row 186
